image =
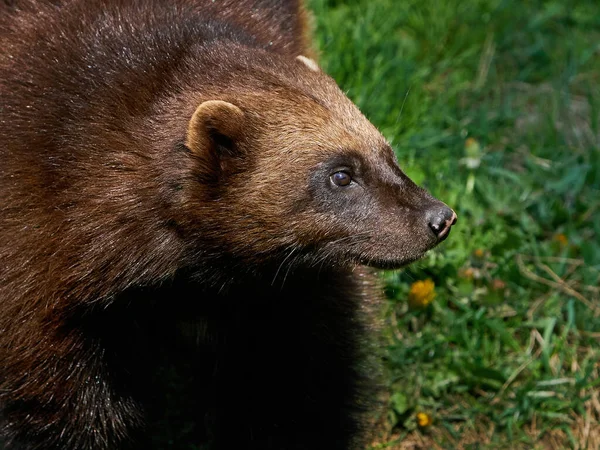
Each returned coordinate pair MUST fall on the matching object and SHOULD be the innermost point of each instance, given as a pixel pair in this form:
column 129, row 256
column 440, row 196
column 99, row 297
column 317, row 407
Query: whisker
column 281, row 265
column 402, row 107
column 289, row 268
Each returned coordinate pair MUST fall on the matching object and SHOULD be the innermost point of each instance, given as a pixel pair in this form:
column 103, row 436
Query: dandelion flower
column 467, row 274
column 498, row 284
column 561, row 239
column 421, row 293
column 424, row 419
column 473, row 154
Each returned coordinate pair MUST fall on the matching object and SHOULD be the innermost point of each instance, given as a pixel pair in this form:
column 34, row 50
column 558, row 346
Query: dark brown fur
column 230, row 267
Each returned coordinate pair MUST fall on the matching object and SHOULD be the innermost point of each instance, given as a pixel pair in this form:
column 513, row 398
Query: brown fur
column 168, row 212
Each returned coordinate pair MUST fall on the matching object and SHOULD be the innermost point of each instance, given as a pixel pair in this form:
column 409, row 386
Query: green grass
column 494, row 106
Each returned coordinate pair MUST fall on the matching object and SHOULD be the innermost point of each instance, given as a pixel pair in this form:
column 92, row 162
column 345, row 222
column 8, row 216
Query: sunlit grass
column 494, row 106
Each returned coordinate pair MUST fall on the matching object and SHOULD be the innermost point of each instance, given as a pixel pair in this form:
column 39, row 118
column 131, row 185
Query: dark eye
column 341, row 179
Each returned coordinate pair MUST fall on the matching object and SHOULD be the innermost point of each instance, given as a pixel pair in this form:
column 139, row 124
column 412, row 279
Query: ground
column 494, row 106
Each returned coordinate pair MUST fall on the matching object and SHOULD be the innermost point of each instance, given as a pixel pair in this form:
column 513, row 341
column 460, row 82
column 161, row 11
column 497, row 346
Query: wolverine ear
column 214, row 122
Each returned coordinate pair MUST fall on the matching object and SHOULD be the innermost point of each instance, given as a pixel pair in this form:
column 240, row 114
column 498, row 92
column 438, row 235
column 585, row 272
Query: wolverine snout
column 440, row 219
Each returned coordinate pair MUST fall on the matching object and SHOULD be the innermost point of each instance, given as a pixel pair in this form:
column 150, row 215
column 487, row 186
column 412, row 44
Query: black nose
column 441, row 218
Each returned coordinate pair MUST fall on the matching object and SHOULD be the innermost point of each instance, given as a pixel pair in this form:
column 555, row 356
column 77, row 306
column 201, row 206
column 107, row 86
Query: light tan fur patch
column 310, row 63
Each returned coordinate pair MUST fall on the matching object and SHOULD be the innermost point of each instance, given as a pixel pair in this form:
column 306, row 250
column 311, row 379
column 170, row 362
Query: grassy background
column 494, row 106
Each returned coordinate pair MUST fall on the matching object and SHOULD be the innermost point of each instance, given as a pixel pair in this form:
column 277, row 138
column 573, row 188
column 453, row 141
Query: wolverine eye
column 341, row 178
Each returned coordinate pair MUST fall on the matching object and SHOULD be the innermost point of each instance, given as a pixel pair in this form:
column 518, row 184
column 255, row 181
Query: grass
column 493, row 106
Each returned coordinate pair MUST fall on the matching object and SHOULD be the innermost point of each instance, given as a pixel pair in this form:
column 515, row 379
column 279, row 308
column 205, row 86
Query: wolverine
column 191, row 221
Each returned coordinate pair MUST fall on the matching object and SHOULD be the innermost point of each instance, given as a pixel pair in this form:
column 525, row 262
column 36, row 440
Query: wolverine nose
column 441, row 219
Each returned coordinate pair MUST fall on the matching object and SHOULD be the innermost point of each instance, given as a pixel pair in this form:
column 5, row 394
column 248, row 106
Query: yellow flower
column 424, row 420
column 473, row 154
column 479, row 253
column 471, row 142
column 561, row 239
column 468, row 273
column 421, row 293
column 498, row 284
